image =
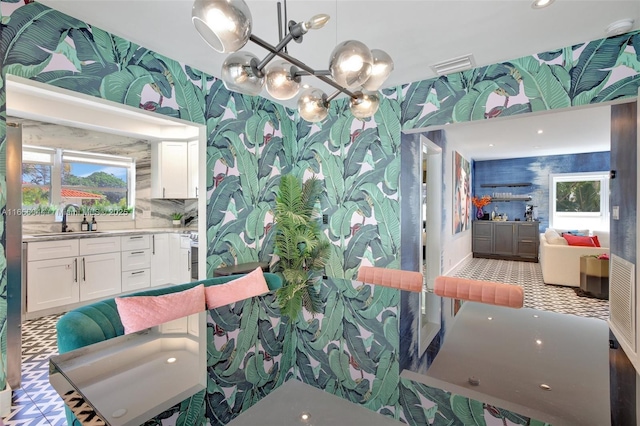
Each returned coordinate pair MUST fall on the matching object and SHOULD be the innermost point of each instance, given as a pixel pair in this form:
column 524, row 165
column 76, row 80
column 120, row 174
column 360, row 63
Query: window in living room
column 579, row 201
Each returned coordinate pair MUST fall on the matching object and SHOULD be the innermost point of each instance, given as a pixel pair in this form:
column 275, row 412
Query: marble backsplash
column 38, row 133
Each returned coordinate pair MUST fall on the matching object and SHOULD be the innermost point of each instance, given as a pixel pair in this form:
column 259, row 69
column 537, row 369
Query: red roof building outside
column 73, row 193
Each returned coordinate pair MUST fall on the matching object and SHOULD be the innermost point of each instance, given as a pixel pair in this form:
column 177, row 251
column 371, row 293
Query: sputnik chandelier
column 353, row 69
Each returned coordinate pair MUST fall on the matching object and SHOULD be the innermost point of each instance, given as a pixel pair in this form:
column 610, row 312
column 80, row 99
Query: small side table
column 594, row 276
column 241, row 268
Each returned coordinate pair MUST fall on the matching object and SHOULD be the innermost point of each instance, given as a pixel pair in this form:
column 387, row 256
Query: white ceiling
column 417, row 34
column 569, row 131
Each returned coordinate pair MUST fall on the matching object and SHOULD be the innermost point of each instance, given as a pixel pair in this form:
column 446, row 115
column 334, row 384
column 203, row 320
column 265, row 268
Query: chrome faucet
column 64, row 215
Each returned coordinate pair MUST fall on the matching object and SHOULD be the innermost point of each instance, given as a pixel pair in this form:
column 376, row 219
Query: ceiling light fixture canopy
column 353, row 69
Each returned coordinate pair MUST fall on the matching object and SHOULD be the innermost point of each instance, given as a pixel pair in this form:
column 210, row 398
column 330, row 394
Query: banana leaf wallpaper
column 252, row 141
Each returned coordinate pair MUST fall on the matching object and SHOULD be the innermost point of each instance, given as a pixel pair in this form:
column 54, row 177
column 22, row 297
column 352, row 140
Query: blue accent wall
column 535, row 170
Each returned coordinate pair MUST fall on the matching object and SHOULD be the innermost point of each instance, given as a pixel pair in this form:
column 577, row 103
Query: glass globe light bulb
column 279, row 81
column 238, row 76
column 382, row 67
column 224, row 24
column 364, row 104
column 350, row 64
column 312, row 105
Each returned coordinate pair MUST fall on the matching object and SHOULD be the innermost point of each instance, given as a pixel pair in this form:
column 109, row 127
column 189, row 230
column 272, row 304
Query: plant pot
column 5, row 401
column 176, row 222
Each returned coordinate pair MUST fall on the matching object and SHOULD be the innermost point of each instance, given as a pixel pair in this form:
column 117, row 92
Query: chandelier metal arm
column 315, row 73
column 265, row 45
column 272, row 54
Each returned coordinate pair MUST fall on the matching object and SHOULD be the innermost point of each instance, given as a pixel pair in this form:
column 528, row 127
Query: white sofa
column 560, row 262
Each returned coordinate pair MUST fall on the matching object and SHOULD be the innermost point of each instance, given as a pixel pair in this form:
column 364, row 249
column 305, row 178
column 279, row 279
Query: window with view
column 579, row 201
column 99, row 183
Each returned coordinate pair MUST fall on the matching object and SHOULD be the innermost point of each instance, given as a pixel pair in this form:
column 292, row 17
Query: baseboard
column 5, row 401
column 463, row 260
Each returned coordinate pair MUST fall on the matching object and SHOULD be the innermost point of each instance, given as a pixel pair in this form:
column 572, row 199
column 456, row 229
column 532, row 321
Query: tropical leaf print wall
column 252, row 141
column 598, row 71
column 357, row 162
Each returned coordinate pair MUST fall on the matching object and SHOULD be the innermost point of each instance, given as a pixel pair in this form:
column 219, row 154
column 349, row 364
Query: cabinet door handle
column 153, row 244
column 196, row 192
column 137, row 273
column 526, row 241
column 137, row 252
column 189, row 260
column 137, row 237
column 84, row 271
column 75, row 270
column 163, row 192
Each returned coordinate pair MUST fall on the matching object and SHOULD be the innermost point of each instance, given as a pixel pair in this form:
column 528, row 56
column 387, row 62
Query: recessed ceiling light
column 536, row 316
column 489, row 318
column 539, row 4
column 619, row 27
column 545, row 387
column 171, row 360
column 540, row 131
column 490, row 144
column 539, row 342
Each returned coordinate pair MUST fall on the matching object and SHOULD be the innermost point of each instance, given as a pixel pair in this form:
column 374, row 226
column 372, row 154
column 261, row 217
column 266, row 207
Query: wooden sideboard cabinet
column 512, row 240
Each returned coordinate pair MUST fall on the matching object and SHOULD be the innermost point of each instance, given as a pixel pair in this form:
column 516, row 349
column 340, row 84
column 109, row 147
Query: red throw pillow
column 595, row 240
column 575, row 240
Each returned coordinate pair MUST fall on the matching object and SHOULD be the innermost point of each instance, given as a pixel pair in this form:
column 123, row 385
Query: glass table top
column 125, row 380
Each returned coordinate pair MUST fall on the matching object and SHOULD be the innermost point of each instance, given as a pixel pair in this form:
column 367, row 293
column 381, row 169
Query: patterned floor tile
column 537, row 294
column 36, row 403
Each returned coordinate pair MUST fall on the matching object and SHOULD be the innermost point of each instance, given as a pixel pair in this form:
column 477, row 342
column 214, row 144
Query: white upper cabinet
column 171, row 169
column 192, row 159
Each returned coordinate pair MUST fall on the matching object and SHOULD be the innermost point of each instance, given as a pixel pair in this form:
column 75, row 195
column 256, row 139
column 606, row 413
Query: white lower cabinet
column 160, row 260
column 136, row 263
column 100, row 276
column 52, row 283
column 66, row 272
column 136, row 280
column 180, row 258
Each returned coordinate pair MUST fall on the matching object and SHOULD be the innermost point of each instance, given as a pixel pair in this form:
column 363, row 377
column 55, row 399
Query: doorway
column 28, row 100
column 431, row 215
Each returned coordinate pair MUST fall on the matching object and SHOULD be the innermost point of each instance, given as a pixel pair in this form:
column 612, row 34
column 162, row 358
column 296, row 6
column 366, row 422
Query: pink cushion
column 502, row 294
column 252, row 284
column 577, row 240
column 140, row 312
column 404, row 280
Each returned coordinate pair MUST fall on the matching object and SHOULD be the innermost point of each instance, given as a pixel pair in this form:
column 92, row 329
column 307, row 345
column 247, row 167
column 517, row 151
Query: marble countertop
column 52, row 236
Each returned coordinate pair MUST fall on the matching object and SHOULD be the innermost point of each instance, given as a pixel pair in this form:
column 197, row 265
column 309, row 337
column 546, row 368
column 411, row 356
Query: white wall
column 455, row 248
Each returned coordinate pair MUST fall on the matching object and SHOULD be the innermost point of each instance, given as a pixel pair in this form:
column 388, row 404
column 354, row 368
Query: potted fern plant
column 300, row 245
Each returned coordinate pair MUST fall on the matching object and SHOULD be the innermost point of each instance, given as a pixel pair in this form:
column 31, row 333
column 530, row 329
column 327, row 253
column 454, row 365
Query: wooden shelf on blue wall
column 510, row 185
column 507, row 199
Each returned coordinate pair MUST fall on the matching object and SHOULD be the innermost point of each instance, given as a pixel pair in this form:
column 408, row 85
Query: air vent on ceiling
column 622, row 300
column 461, row 63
